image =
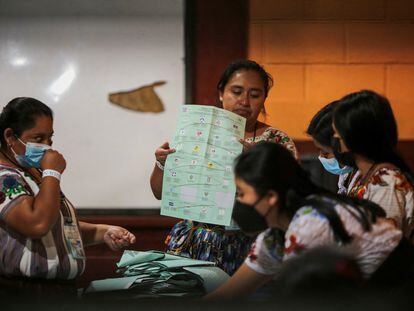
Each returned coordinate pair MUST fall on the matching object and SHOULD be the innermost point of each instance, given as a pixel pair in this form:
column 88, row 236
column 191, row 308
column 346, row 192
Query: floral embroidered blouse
column 47, row 257
column 309, row 229
column 277, row 136
column 390, row 189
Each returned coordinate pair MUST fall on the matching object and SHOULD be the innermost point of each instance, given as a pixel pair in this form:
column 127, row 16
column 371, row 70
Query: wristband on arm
column 159, row 165
column 51, row 173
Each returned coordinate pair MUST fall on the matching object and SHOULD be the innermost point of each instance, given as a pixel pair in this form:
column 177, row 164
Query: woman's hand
column 117, row 238
column 157, row 174
column 162, row 152
column 53, row 160
column 246, row 145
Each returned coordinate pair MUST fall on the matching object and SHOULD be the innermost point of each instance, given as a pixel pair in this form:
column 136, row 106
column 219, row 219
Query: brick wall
column 320, row 50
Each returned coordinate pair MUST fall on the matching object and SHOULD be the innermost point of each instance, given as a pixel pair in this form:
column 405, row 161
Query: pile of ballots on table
column 155, row 274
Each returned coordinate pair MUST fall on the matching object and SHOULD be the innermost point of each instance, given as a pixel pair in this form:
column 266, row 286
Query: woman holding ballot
column 41, row 239
column 242, row 89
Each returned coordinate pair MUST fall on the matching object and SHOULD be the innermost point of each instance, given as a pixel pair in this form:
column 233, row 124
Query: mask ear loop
column 11, row 148
column 20, row 140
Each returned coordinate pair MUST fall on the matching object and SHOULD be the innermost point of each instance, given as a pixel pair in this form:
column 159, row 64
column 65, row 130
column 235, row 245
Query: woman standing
column 242, row 89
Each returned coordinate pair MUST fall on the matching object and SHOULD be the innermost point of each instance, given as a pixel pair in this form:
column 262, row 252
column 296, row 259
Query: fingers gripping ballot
column 162, row 152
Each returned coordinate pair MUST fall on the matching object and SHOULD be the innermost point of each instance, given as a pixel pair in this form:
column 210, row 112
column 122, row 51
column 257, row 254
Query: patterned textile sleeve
column 266, row 253
column 308, row 229
column 13, row 190
column 342, row 180
column 391, row 190
column 282, row 138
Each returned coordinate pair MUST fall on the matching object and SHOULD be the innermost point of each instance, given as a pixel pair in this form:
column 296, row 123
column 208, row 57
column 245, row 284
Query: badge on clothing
column 73, row 241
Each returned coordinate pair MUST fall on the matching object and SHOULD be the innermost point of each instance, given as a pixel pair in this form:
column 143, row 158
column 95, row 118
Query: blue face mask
column 33, row 155
column 332, row 166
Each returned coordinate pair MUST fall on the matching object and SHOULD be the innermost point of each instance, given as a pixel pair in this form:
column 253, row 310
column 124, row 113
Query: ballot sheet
column 198, row 181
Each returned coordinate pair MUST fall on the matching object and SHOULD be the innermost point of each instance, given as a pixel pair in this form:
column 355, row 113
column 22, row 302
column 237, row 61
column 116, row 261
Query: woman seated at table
column 41, row 239
column 276, row 197
column 366, row 138
column 321, row 131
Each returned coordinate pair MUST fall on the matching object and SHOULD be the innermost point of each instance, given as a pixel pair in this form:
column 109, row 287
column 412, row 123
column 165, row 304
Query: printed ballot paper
column 198, row 179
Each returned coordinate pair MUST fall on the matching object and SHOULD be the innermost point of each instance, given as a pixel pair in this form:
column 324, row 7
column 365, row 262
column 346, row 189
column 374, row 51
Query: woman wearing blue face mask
column 42, row 240
column 321, row 131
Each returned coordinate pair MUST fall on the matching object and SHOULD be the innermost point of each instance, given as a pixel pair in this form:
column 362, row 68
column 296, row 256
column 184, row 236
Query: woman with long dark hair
column 366, row 138
column 276, row 197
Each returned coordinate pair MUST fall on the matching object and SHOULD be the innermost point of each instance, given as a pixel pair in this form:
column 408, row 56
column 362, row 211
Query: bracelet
column 51, row 173
column 159, row 165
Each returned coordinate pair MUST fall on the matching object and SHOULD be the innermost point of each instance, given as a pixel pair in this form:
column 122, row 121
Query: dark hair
column 20, row 114
column 247, row 65
column 270, row 166
column 320, row 270
column 367, row 125
column 320, row 127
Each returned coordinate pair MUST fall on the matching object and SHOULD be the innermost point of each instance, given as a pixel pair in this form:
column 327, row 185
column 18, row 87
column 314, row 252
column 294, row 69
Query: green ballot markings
column 198, row 181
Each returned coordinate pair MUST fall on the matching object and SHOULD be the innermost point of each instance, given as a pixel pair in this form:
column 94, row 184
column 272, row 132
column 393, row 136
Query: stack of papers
column 157, row 274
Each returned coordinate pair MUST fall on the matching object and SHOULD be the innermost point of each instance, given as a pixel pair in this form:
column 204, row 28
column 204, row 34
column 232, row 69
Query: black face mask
column 248, row 219
column 345, row 158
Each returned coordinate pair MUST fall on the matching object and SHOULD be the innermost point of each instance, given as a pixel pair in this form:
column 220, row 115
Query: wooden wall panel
column 219, row 37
